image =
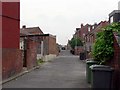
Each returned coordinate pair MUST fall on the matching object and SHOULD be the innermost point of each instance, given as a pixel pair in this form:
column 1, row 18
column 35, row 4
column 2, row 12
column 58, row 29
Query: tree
column 75, row 41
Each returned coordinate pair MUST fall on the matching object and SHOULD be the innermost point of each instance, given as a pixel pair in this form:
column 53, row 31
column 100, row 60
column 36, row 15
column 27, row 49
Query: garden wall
column 115, row 63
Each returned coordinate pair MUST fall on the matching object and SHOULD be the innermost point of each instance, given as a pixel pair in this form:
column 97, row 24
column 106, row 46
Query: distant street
column 66, row 71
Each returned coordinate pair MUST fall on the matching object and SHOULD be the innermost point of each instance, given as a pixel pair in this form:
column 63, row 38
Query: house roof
column 37, row 35
column 31, row 31
column 113, row 12
column 24, row 32
column 98, row 27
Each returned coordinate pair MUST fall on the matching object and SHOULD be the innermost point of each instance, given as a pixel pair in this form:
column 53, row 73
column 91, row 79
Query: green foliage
column 103, row 47
column 40, row 61
column 115, row 27
column 75, row 42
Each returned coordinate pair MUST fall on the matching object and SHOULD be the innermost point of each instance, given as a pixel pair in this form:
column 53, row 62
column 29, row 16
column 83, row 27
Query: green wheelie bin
column 88, row 70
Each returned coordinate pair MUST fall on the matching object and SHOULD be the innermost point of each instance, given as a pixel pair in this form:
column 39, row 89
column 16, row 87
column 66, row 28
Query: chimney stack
column 81, row 25
column 77, row 29
column 95, row 25
column 24, row 26
column 119, row 5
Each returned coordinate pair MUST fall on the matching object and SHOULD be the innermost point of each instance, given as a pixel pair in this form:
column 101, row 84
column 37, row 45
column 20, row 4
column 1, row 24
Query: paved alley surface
column 66, row 71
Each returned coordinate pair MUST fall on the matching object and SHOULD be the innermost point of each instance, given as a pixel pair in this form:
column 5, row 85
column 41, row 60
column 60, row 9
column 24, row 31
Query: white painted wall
column 49, row 57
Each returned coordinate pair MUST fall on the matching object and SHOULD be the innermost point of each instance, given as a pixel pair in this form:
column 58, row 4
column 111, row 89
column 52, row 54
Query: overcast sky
column 62, row 17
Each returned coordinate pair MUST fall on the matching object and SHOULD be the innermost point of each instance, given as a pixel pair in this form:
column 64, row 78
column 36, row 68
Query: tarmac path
column 66, row 71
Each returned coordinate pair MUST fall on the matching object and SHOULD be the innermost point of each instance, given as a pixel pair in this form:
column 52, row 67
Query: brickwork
column 11, row 62
column 9, row 38
column 91, row 36
column 115, row 63
column 52, row 45
column 31, row 56
column 83, row 31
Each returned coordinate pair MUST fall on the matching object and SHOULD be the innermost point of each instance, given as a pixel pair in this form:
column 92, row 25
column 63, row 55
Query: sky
column 62, row 17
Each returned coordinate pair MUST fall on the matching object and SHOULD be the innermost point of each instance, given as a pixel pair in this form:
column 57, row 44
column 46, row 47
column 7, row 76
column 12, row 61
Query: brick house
column 91, row 36
column 80, row 33
column 33, row 31
column 44, row 42
column 9, row 38
column 30, row 46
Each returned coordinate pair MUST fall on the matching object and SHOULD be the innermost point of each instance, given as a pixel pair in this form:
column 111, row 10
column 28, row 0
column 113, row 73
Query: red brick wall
column 101, row 25
column 11, row 62
column 0, row 25
column 52, row 45
column 83, row 30
column 31, row 54
column 8, row 25
column 115, row 63
column 9, row 38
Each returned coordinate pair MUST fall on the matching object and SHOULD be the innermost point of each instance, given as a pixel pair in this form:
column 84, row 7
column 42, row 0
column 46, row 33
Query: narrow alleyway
column 66, row 71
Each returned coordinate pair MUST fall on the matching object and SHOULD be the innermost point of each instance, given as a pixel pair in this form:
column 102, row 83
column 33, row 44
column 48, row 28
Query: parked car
column 63, row 48
column 72, row 51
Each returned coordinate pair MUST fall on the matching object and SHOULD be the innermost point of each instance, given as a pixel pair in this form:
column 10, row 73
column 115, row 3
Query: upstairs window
column 89, row 29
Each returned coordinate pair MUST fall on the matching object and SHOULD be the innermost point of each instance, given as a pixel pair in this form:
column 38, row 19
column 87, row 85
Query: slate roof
column 30, row 31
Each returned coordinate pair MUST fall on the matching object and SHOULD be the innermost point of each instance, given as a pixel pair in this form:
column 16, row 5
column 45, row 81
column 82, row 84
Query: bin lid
column 101, row 68
column 91, row 61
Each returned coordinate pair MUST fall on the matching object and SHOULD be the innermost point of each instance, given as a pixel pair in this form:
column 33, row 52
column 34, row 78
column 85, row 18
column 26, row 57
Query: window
column 111, row 19
column 89, row 29
column 21, row 44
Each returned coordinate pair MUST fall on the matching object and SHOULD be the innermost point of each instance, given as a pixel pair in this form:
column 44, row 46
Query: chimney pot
column 24, row 26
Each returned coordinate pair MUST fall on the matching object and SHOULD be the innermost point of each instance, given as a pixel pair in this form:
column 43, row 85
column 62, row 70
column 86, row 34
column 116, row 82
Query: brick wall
column 45, row 45
column 9, row 38
column 84, row 30
column 115, row 63
column 52, row 45
column 11, row 62
column 31, row 56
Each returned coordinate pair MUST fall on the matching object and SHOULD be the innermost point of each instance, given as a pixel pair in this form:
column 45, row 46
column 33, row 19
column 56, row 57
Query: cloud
column 61, row 17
